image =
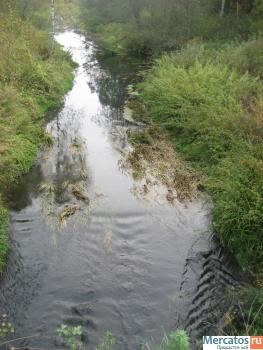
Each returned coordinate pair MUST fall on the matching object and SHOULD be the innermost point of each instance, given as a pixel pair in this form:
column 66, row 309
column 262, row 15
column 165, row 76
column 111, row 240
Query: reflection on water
column 111, row 78
column 119, row 264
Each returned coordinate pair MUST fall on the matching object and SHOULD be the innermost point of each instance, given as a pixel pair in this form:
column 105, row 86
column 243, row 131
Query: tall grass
column 175, row 340
column 212, row 107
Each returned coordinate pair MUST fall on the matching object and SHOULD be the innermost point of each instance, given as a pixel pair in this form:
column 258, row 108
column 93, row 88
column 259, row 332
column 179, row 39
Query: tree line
column 147, row 26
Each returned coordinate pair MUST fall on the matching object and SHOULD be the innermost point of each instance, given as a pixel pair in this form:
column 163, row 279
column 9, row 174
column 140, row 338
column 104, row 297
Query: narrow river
column 120, row 263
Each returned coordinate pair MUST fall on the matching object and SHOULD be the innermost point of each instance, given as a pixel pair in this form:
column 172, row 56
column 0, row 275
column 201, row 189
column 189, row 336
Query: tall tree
column 53, row 25
column 223, row 5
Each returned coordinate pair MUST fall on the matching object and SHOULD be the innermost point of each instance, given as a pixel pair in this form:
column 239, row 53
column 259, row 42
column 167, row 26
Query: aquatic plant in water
column 176, row 340
column 6, row 327
column 71, row 335
column 108, row 342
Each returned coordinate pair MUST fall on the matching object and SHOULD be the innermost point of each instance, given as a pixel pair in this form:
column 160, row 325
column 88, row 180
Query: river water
column 121, row 263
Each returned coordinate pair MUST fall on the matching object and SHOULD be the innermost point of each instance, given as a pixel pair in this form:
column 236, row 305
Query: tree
column 222, row 11
column 53, row 25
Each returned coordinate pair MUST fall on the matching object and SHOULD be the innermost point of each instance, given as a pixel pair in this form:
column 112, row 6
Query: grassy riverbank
column 210, row 101
column 33, row 80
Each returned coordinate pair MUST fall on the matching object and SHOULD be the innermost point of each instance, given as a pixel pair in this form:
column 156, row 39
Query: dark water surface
column 120, row 263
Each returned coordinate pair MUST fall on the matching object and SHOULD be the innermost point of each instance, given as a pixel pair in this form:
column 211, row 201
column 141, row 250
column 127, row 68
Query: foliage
column 176, row 340
column 148, row 27
column 244, row 317
column 71, row 335
column 244, row 57
column 214, row 115
column 121, row 39
column 5, row 326
column 108, row 342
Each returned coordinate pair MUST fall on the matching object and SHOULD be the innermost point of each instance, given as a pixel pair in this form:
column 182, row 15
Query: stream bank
column 118, row 262
column 32, row 82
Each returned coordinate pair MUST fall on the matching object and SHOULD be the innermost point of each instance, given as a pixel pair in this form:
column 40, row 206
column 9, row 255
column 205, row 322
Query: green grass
column 212, row 106
column 244, row 57
column 245, row 318
column 32, row 81
column 175, row 340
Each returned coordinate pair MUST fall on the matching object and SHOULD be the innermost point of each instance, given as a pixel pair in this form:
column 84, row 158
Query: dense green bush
column 121, row 39
column 214, row 115
column 245, row 57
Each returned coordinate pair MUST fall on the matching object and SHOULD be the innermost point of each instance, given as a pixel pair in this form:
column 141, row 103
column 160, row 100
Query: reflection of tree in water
column 65, row 167
column 110, row 78
column 21, row 194
column 69, row 159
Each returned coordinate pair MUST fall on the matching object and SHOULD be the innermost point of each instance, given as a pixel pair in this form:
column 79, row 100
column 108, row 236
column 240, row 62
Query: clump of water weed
column 108, row 342
column 71, row 335
column 48, row 140
column 66, row 213
column 76, row 146
column 79, row 193
column 154, row 154
column 139, row 112
column 48, row 188
column 176, row 340
column 6, row 327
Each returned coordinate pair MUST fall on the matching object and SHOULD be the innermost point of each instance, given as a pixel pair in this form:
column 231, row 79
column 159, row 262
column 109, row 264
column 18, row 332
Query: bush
column 245, row 57
column 119, row 39
column 177, row 340
column 236, row 185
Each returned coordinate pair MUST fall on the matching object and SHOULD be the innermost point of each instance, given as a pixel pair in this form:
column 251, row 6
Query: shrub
column 236, row 185
column 245, row 57
column 121, row 39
